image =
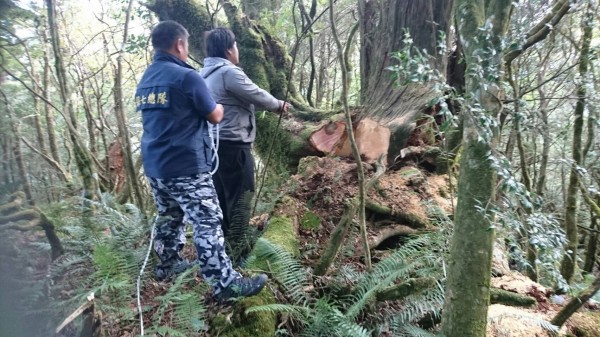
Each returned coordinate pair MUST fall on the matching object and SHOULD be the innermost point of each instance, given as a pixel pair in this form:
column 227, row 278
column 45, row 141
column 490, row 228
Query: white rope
column 139, row 279
column 213, row 133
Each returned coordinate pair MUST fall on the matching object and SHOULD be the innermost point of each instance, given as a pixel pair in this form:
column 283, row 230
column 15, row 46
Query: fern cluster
column 105, row 259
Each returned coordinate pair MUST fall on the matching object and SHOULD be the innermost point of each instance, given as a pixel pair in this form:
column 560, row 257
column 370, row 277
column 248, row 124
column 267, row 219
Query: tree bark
column 52, row 143
column 468, row 282
column 382, row 27
column 569, row 262
column 124, row 140
column 18, row 153
column 592, row 244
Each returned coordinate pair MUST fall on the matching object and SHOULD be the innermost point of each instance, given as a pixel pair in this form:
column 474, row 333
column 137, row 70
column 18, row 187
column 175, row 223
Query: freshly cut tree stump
column 372, row 139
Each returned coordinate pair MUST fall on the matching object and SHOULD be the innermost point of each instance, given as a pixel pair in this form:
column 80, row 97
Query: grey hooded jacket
column 229, row 86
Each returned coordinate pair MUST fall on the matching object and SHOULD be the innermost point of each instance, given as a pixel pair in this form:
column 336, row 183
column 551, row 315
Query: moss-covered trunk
column 569, row 262
column 468, row 283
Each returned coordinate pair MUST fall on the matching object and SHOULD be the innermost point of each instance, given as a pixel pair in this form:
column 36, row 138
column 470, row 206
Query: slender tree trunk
column 18, row 153
column 307, row 19
column 469, row 268
column 355, row 151
column 592, row 243
column 4, row 159
column 82, row 155
column 531, row 252
column 546, row 142
column 122, row 121
column 569, row 262
column 52, row 143
column 321, row 79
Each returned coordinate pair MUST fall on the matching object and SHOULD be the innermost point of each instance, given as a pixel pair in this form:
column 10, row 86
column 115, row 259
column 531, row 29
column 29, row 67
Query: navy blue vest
column 174, row 103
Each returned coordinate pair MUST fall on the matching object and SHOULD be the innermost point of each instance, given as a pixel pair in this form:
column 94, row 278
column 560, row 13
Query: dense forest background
column 436, row 149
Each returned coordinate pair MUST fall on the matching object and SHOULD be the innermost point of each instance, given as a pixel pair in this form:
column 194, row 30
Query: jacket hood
column 211, row 64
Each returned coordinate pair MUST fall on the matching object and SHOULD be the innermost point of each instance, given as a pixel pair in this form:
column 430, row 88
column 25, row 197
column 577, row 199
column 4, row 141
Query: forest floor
column 323, row 187
column 327, row 183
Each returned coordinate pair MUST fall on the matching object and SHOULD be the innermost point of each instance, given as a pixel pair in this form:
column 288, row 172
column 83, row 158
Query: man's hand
column 284, row 106
column 216, row 115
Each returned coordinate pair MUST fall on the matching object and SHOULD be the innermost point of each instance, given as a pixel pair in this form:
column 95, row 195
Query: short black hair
column 165, row 34
column 218, row 41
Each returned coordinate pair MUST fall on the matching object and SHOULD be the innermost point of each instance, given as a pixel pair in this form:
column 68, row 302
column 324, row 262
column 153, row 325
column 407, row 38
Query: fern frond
column 527, row 318
column 286, row 268
column 369, row 288
column 240, row 235
column 413, row 331
column 415, row 307
column 188, row 312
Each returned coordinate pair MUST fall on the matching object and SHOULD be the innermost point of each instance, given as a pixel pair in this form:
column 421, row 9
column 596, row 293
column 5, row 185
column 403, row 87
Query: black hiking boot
column 243, row 287
column 169, row 272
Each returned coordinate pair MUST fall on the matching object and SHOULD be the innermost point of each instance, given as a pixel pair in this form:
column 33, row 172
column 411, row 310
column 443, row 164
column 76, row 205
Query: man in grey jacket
column 234, row 178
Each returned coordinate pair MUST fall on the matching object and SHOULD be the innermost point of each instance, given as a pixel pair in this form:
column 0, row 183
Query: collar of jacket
column 161, row 56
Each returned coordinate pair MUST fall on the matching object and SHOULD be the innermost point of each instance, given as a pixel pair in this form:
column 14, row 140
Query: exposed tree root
column 29, row 219
column 391, row 231
column 410, row 219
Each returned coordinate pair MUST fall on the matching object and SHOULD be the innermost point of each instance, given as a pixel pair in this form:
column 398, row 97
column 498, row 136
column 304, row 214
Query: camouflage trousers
column 193, row 200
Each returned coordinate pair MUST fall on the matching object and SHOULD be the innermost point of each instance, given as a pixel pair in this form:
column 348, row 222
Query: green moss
column 281, row 232
column 310, row 221
column 191, row 14
column 240, row 324
column 413, row 175
column 277, row 144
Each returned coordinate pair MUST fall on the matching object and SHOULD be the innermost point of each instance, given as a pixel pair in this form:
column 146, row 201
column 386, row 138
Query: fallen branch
column 575, row 303
column 410, row 287
column 506, row 297
column 91, row 326
column 16, row 201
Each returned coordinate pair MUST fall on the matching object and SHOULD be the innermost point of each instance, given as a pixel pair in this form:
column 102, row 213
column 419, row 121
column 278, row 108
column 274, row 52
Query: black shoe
column 167, row 273
column 243, row 287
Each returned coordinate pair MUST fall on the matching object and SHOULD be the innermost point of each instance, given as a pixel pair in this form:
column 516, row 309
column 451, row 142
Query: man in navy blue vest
column 176, row 107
